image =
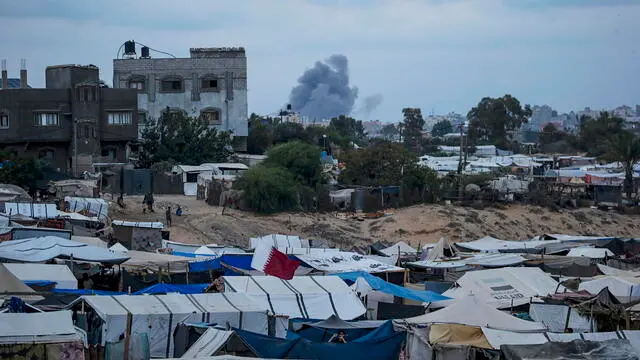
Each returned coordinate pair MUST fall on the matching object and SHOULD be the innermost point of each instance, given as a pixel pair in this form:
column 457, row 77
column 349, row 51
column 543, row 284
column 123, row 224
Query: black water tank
column 130, row 47
column 144, row 52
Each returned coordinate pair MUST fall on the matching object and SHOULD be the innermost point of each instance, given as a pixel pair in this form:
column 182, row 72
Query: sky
column 438, row 55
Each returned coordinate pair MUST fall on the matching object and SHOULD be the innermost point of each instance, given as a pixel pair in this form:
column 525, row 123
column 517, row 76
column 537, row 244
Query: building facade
column 211, row 83
column 71, row 123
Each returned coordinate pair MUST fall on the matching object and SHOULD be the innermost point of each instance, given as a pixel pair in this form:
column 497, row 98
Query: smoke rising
column 370, row 103
column 323, row 91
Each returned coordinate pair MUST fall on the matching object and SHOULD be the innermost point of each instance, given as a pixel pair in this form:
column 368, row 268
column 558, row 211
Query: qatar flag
column 273, row 262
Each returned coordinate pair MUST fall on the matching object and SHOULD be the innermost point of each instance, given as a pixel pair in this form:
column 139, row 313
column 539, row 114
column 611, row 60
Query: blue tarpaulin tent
column 173, row 288
column 378, row 284
column 380, row 346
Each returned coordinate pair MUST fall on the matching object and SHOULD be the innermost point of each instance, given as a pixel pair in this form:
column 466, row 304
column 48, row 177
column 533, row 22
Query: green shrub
column 270, row 189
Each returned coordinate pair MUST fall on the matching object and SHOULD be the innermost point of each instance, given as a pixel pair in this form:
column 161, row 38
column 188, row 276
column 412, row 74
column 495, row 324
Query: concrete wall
column 68, row 76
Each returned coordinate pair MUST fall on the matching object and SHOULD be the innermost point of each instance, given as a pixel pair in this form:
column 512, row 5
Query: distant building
column 72, row 123
column 211, row 83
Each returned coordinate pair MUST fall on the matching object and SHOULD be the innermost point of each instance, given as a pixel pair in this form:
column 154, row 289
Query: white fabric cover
column 620, row 287
column 501, row 337
column 203, row 250
column 346, row 262
column 601, row 336
column 45, row 248
column 489, row 244
column 37, row 327
column 562, row 337
column 313, row 297
column 399, row 248
column 634, row 338
column 95, row 207
column 486, row 260
column 498, row 287
column 158, row 315
column 554, row 316
column 472, row 311
column 279, row 241
column 590, row 252
column 208, row 343
column 34, row 210
column 60, row 274
column 190, row 189
column 135, row 224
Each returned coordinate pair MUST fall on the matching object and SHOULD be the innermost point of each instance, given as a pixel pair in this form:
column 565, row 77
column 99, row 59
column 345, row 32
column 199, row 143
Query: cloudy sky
column 440, row 55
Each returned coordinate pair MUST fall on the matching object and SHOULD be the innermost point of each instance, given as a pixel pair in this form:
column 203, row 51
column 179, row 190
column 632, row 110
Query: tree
column 18, row 170
column 493, row 118
column 349, row 128
column 596, row 133
column 381, row 164
column 390, row 132
column 625, row 148
column 269, row 189
column 182, row 139
column 260, row 136
column 441, row 128
column 550, row 134
column 300, row 159
column 412, row 129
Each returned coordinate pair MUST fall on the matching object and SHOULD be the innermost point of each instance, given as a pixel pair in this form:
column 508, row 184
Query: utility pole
column 460, row 164
column 75, row 147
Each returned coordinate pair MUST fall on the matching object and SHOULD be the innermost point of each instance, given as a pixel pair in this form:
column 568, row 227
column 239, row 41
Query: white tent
column 482, row 259
column 45, row 248
column 473, row 311
column 158, row 315
column 506, row 287
column 60, row 274
column 590, row 252
column 489, row 244
column 311, row 297
column 203, row 250
column 191, row 248
column 399, row 248
column 620, row 286
column 42, row 327
column 208, row 343
column 10, row 284
column 119, row 248
column 279, row 241
column 337, row 262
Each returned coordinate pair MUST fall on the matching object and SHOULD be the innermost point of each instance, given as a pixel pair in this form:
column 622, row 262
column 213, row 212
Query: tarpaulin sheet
column 554, row 316
column 173, row 288
column 50, row 247
column 351, row 334
column 382, row 348
column 86, row 292
column 577, row 349
column 378, row 284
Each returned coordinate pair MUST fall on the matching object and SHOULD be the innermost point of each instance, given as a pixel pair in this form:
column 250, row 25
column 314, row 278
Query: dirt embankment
column 204, row 224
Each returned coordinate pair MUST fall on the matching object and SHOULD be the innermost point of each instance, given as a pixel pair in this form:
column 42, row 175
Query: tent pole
column 127, row 338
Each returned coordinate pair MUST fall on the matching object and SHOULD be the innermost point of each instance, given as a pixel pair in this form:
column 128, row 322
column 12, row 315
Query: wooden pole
column 127, row 338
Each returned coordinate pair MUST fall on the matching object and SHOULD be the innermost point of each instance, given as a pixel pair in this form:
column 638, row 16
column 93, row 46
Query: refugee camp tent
column 94, row 206
column 616, row 349
column 10, row 284
column 45, row 248
column 346, row 262
column 49, row 335
column 279, row 241
column 399, row 248
column 181, row 248
column 490, row 244
column 590, row 252
column 488, row 260
column 158, row 315
column 61, row 275
column 505, row 287
column 623, row 288
column 309, row 297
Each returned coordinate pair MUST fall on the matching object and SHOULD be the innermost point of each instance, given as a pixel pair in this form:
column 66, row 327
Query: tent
column 59, row 274
column 399, row 248
column 45, row 248
column 309, row 297
column 615, row 349
column 482, row 259
column 191, row 248
column 346, row 262
column 621, row 287
column 472, row 311
column 279, row 241
column 378, row 284
column 489, row 244
column 590, row 252
column 158, row 315
column 203, row 250
column 10, row 284
column 506, row 287
column 39, row 328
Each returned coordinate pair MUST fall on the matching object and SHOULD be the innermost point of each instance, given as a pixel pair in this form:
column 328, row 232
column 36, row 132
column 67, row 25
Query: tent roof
column 334, row 322
column 590, row 252
column 489, row 243
column 149, row 260
column 203, row 250
column 9, row 284
column 399, row 247
column 472, row 311
column 208, row 343
column 45, row 248
column 58, row 273
column 615, row 349
column 333, row 262
column 279, row 241
column 41, row 327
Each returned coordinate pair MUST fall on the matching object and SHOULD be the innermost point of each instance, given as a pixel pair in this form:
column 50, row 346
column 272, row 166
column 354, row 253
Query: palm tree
column 625, row 148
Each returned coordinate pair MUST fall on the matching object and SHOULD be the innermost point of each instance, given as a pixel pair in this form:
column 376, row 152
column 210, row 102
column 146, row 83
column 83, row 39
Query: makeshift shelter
column 400, row 248
column 346, row 262
column 590, row 252
column 61, row 275
column 490, row 244
column 616, row 349
column 324, row 330
column 49, row 335
column 183, row 248
column 484, row 260
column 158, row 315
column 623, row 288
column 216, row 341
column 43, row 249
column 309, row 297
column 10, row 284
column 90, row 206
column 143, row 236
column 279, row 241
column 506, row 287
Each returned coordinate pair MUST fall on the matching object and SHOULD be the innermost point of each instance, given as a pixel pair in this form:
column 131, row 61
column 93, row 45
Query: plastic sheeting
column 489, row 244
column 61, row 275
column 43, row 249
column 279, row 241
column 578, row 349
column 138, row 348
column 555, row 317
column 94, row 206
column 346, row 262
column 497, row 338
column 55, row 326
column 374, row 347
column 590, row 252
column 620, row 287
column 207, row 345
column 173, row 288
column 399, row 248
column 9, row 284
column 309, row 297
column 378, row 284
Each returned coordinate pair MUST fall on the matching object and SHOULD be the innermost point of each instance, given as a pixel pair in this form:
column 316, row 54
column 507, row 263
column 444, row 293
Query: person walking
column 168, row 216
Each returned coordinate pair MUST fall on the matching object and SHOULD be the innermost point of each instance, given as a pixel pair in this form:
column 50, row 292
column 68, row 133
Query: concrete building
column 211, row 83
column 72, row 123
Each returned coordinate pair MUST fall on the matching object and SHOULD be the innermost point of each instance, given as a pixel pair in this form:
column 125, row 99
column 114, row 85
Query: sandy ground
column 204, row 224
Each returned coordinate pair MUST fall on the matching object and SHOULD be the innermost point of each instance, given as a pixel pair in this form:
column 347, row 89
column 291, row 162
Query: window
column 171, row 84
column 47, row 154
column 46, row 119
column 136, row 84
column 120, row 118
column 87, row 132
column 110, row 153
column 85, row 93
column 142, row 118
column 4, row 120
column 209, row 84
column 212, row 117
